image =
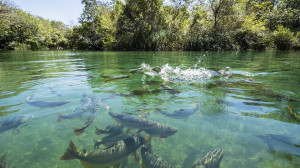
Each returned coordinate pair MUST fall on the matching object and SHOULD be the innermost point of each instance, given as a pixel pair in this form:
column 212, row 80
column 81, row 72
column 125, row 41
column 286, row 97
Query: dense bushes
column 155, row 25
column 283, row 38
column 251, row 40
column 22, row 31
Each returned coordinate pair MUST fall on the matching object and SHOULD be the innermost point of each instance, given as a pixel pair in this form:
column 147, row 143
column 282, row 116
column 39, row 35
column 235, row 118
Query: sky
column 67, row 11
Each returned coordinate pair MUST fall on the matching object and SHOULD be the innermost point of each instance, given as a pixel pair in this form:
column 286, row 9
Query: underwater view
column 74, row 109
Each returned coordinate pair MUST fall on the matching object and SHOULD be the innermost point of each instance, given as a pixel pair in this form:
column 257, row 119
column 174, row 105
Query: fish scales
column 151, row 160
column 149, row 126
column 107, row 156
column 210, row 160
column 112, row 138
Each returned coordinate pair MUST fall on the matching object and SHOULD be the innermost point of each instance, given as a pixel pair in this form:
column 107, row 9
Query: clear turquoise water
column 233, row 113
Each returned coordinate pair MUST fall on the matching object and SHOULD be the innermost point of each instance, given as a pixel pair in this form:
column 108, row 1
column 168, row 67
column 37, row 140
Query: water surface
column 248, row 104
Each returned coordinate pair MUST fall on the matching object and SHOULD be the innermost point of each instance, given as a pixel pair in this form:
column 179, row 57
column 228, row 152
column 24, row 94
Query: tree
column 137, row 23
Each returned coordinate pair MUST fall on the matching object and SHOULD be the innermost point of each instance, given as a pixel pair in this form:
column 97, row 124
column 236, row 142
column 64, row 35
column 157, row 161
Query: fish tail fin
column 97, row 143
column 59, row 117
column 99, row 131
column 70, row 152
column 78, row 131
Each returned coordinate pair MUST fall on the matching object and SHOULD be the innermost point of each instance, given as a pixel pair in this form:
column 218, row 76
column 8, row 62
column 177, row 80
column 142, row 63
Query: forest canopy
column 157, row 25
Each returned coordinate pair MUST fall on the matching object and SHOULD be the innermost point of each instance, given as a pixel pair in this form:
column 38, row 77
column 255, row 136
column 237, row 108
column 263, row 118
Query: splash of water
column 189, row 75
column 180, row 74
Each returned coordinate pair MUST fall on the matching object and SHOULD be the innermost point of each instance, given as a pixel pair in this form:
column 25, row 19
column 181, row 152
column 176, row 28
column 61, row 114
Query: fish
column 281, row 143
column 88, row 122
column 84, row 107
column 267, row 92
column 112, row 139
column 110, row 129
column 150, row 127
column 103, row 158
column 143, row 90
column 94, row 108
column 182, row 113
column 151, row 160
column 3, row 163
column 13, row 122
column 112, row 78
column 169, row 89
column 46, row 103
column 211, row 160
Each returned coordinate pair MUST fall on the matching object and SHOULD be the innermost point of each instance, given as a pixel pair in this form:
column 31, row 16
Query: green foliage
column 98, row 26
column 154, row 25
column 23, row 31
column 283, row 38
column 287, row 14
column 210, row 40
column 297, row 41
column 251, row 40
column 140, row 20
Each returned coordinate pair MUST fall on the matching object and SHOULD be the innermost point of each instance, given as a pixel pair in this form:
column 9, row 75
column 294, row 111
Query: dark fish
column 13, row 123
column 112, row 139
column 84, row 107
column 112, row 78
column 3, row 163
column 143, row 90
column 150, row 160
column 281, row 143
column 110, row 129
column 111, row 156
column 54, row 91
column 267, row 92
column 210, row 160
column 169, row 89
column 182, row 113
column 46, row 103
column 150, row 127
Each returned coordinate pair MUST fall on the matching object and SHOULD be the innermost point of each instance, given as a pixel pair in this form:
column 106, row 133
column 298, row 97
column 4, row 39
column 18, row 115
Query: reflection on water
column 245, row 103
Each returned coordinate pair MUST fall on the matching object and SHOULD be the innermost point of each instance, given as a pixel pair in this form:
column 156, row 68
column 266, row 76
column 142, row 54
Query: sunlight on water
column 186, row 75
column 248, row 107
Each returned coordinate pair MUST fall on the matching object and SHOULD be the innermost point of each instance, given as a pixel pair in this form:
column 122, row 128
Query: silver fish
column 150, row 127
column 112, row 139
column 110, row 156
column 46, row 103
column 150, row 160
column 110, row 129
column 84, row 107
column 182, row 113
column 13, row 123
column 210, row 160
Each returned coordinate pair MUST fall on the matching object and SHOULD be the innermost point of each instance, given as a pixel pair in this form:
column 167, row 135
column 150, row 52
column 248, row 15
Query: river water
column 248, row 104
